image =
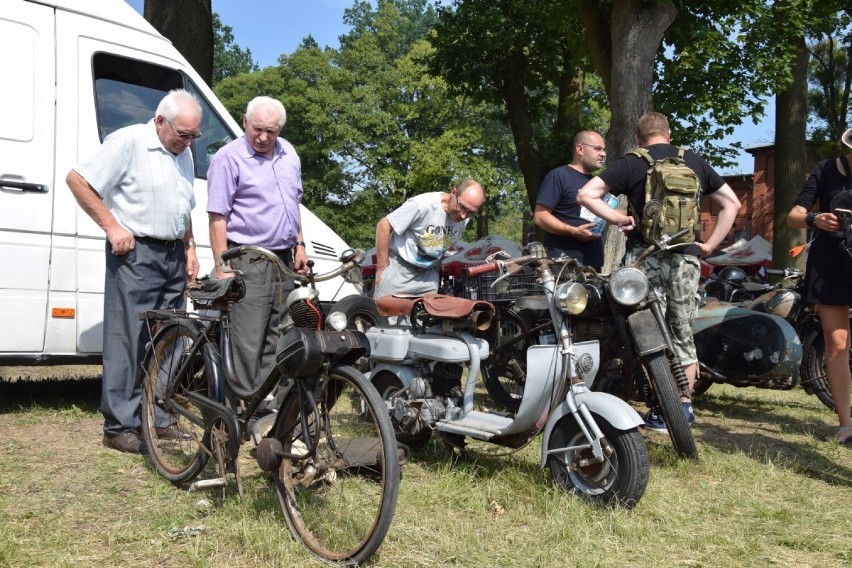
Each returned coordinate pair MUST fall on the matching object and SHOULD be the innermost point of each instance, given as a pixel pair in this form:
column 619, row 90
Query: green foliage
column 829, row 78
column 228, row 58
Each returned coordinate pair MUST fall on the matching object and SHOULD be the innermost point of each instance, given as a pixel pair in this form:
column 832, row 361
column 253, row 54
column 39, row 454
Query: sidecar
column 739, row 345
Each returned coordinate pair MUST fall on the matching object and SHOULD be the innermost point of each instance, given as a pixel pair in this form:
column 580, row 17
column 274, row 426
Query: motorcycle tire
column 665, row 388
column 361, row 312
column 621, row 479
column 814, row 375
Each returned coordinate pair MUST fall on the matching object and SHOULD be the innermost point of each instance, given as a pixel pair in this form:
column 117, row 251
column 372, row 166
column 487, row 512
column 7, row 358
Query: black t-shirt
column 626, row 176
column 558, row 192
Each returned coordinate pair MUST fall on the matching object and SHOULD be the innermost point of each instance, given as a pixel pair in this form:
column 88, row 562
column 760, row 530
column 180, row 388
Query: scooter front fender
column 618, row 413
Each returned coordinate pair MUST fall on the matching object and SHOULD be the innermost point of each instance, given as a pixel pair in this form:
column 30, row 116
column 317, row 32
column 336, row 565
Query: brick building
column 756, row 194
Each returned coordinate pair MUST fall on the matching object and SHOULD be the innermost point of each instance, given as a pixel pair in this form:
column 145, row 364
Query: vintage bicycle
column 330, row 447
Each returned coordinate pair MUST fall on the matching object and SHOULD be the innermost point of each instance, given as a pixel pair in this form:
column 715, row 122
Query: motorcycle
column 590, row 440
column 771, row 341
column 638, row 360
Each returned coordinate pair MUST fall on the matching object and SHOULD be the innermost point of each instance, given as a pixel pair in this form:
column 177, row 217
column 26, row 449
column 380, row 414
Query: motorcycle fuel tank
column 736, row 342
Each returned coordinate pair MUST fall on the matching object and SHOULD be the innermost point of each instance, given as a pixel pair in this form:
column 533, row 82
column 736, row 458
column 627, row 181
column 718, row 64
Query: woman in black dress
column 827, row 284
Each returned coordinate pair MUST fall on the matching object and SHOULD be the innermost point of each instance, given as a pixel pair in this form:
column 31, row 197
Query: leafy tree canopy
column 229, row 59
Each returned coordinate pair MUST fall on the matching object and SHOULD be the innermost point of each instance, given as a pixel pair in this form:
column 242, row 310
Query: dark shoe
column 688, row 413
column 128, row 442
column 655, row 422
column 173, row 432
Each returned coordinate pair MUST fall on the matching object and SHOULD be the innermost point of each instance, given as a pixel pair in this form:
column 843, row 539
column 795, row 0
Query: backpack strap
column 643, row 153
column 680, row 152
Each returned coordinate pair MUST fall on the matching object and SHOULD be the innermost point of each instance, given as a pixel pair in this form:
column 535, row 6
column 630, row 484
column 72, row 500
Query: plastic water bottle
column 597, row 230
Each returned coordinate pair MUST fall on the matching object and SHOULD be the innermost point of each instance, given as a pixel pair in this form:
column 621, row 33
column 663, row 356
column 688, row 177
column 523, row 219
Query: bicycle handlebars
column 286, row 272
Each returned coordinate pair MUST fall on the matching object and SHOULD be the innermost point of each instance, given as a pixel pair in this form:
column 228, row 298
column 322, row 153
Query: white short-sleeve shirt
column 148, row 189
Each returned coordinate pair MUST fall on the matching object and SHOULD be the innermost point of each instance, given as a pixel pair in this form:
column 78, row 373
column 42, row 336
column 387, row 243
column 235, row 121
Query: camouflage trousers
column 674, row 282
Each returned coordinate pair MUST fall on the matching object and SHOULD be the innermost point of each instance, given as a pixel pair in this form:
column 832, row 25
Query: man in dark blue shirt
column 567, row 230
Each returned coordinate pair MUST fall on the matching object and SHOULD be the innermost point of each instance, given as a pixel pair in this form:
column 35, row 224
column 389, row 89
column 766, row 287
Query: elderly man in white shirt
column 138, row 187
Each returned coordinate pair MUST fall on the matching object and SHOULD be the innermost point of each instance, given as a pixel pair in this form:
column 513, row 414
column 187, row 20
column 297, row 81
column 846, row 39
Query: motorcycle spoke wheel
column 340, row 499
column 504, row 372
column 620, row 479
column 665, row 389
column 172, row 426
column 814, row 375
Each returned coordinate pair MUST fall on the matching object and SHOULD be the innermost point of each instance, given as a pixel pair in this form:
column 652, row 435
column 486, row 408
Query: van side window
column 127, row 91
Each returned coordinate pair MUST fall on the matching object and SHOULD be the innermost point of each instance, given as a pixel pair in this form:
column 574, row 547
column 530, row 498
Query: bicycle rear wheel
column 172, row 426
column 341, row 499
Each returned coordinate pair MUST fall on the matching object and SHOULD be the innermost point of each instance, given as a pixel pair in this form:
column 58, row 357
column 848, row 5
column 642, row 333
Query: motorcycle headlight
column 336, row 321
column 571, row 298
column 628, row 286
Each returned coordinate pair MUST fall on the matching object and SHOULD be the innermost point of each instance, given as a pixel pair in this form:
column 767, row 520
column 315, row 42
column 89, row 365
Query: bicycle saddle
column 441, row 306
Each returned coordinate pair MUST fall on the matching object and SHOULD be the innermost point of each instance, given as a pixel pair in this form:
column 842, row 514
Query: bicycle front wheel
column 172, row 426
column 340, row 499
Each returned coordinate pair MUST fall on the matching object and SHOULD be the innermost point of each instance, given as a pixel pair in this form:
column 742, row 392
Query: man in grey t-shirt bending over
column 412, row 240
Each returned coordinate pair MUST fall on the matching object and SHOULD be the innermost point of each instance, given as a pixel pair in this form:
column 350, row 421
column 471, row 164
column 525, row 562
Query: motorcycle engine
column 304, row 308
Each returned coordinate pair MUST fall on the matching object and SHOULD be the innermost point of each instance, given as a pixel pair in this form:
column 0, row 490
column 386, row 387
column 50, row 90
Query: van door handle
column 24, row 186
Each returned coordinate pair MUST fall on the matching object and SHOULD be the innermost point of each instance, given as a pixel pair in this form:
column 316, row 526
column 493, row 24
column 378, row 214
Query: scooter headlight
column 571, row 298
column 336, row 321
column 628, row 286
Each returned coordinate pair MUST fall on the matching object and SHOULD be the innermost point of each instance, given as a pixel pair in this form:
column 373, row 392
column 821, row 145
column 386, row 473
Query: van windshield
column 127, row 91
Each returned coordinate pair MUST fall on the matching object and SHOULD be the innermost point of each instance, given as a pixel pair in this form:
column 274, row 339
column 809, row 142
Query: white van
column 73, row 71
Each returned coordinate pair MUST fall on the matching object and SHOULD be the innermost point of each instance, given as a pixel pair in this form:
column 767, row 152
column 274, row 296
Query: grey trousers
column 256, row 318
column 401, row 278
column 151, row 276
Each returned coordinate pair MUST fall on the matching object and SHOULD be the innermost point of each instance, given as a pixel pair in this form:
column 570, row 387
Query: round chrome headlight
column 628, row 286
column 336, row 321
column 571, row 298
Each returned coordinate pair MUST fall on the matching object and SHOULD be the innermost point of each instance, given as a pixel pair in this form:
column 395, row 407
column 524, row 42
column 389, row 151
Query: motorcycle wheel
column 388, row 385
column 620, row 479
column 504, row 372
column 361, row 312
column 669, row 400
column 814, row 375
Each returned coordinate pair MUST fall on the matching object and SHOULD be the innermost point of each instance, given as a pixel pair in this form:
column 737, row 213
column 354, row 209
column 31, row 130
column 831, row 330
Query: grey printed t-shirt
column 422, row 230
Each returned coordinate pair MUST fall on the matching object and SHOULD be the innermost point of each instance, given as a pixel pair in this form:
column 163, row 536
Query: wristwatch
column 300, row 244
column 190, row 243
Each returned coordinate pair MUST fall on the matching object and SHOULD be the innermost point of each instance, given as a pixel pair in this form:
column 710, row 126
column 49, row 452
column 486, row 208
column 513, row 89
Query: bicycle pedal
column 203, row 484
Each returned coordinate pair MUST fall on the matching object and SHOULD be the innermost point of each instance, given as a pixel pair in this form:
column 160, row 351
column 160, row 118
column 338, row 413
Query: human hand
column 121, row 239
column 300, row 260
column 827, row 222
column 191, row 264
column 584, row 233
column 626, row 223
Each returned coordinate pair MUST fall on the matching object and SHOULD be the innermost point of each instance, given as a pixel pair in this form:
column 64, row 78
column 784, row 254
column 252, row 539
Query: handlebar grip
column 482, row 269
column 231, row 253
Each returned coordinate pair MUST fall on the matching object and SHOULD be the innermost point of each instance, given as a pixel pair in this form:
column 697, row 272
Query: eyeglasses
column 598, row 149
column 464, row 209
column 184, row 135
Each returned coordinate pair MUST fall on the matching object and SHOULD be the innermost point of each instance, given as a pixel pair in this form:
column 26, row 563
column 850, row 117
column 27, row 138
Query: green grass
column 766, row 491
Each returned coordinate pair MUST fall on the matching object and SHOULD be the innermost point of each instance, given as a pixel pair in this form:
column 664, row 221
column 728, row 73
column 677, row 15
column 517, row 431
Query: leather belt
column 170, row 244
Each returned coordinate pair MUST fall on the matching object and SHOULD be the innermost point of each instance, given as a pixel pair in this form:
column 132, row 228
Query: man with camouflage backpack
column 673, row 274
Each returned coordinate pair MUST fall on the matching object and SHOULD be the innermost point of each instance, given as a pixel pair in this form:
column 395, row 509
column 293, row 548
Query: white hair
column 175, row 102
column 263, row 101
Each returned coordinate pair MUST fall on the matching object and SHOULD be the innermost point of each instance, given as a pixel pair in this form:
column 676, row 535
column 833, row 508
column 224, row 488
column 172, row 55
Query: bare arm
column 544, row 218
column 300, row 253
column 383, row 235
column 218, row 241
column 191, row 254
column 726, row 199
column 823, row 221
column 591, row 195
column 121, row 239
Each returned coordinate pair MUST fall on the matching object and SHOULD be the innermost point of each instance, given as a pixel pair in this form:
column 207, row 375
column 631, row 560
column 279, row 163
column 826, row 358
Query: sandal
column 844, row 435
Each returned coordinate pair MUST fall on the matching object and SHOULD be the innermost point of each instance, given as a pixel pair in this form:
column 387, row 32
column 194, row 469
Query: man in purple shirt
column 254, row 189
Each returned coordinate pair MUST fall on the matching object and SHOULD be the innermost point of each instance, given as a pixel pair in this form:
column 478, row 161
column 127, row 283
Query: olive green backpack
column 675, row 186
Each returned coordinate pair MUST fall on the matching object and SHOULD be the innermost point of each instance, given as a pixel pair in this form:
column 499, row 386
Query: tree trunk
column 189, row 26
column 636, row 34
column 791, row 113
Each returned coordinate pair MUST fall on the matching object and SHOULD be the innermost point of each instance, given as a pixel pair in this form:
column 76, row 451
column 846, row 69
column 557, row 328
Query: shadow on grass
column 52, row 394
column 772, row 432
